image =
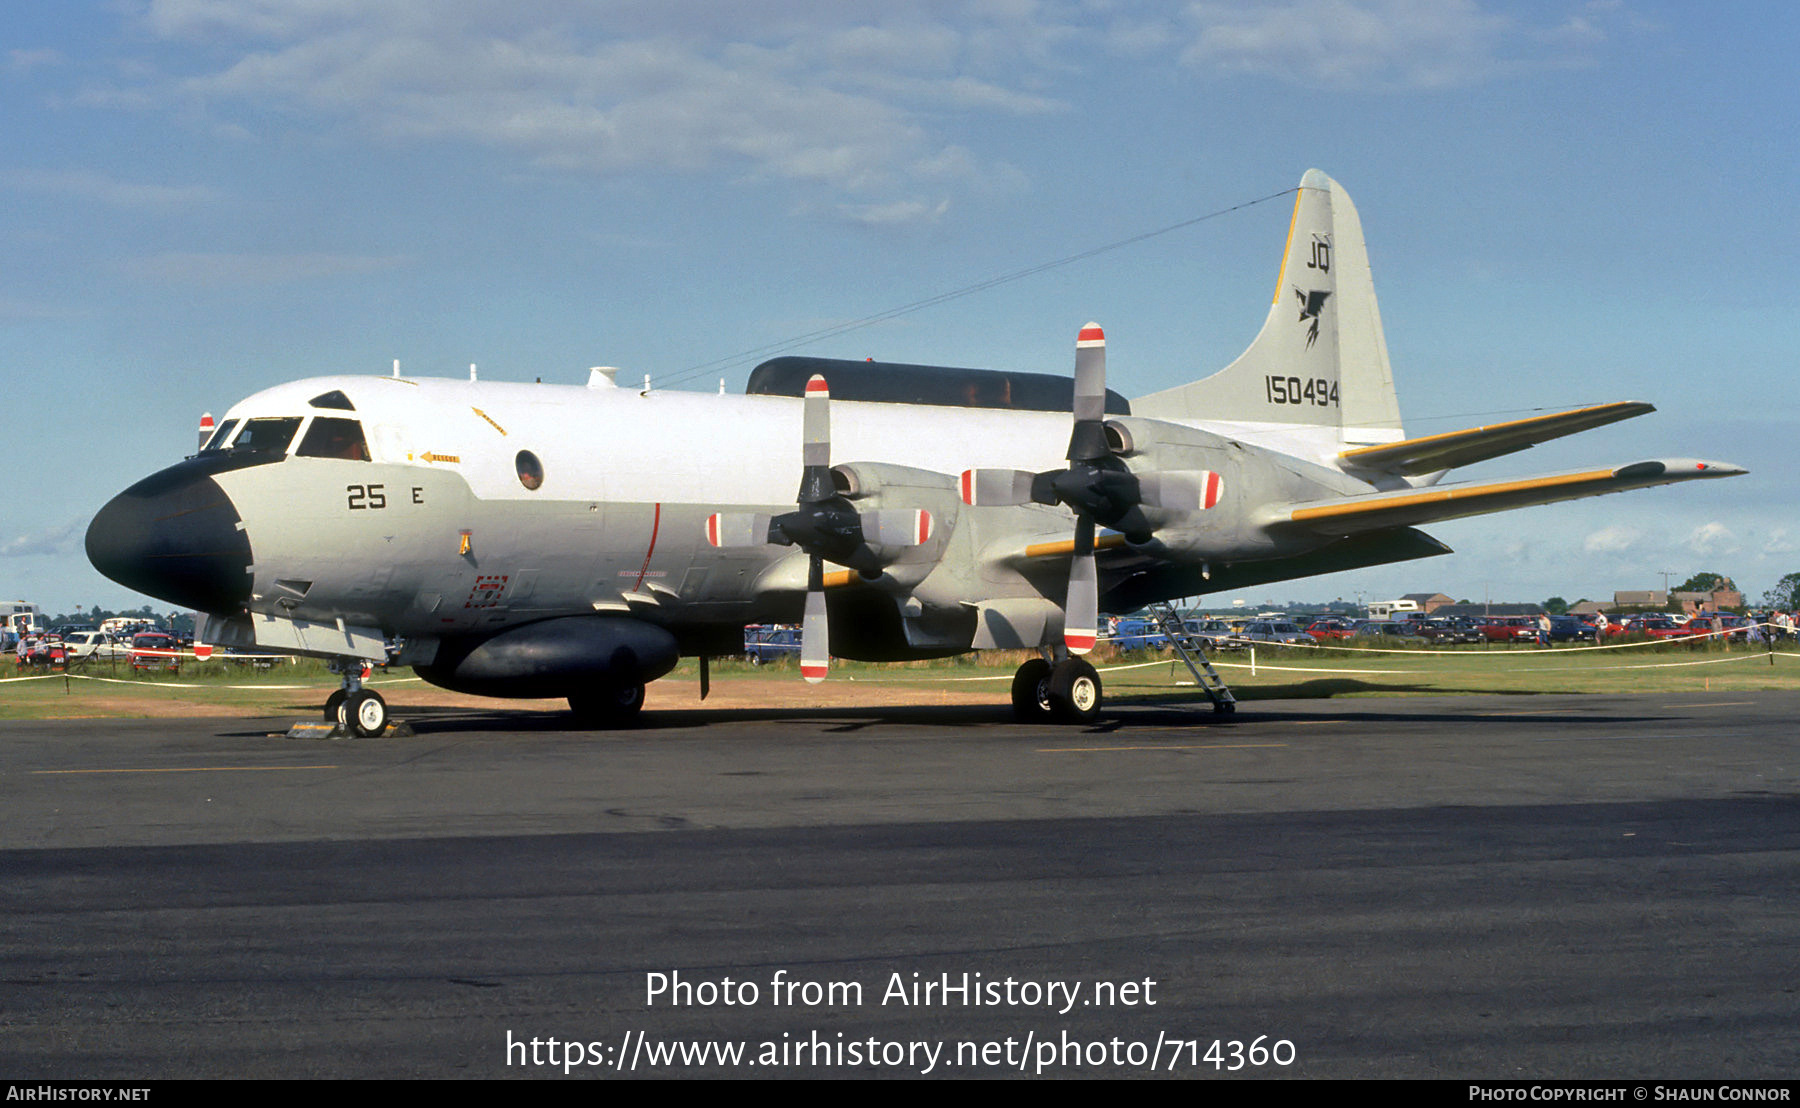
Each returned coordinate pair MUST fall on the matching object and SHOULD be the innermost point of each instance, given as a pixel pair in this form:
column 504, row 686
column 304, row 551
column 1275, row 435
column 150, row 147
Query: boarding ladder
column 1190, row 652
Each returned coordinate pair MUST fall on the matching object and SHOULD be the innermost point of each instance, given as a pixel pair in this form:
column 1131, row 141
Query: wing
column 1460, row 448
column 1345, row 515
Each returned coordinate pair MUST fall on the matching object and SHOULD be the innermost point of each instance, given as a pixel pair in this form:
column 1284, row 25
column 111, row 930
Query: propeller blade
column 815, row 630
column 1004, row 488
column 737, row 529
column 815, row 451
column 1081, row 614
column 1088, row 440
column 896, row 527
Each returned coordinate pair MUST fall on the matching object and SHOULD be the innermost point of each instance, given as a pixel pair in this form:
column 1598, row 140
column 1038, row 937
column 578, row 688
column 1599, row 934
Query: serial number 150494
column 1316, row 391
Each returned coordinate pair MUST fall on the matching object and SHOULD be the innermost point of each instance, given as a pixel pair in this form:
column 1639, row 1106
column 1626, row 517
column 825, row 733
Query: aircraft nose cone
column 174, row 536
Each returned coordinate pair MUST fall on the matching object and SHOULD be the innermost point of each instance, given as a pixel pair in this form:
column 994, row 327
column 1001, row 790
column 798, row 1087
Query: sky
column 1565, row 203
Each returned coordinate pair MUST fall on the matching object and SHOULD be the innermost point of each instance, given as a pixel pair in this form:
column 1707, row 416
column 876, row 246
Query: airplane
column 568, row 541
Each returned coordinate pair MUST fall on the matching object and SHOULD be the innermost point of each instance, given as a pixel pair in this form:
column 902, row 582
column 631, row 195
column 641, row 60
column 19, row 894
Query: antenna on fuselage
column 396, row 367
column 471, row 371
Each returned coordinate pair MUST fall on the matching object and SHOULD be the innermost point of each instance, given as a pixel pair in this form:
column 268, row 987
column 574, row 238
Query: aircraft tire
column 365, row 714
column 334, row 705
column 605, row 709
column 1031, row 692
column 1074, row 691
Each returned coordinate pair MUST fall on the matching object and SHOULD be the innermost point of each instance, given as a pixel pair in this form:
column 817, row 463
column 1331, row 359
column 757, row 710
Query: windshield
column 221, row 436
column 267, row 435
column 331, row 437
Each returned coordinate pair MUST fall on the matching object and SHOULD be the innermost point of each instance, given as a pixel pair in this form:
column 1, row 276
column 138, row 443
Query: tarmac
column 1518, row 887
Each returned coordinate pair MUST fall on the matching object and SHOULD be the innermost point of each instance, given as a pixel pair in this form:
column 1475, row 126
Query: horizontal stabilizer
column 1408, row 507
column 1460, row 448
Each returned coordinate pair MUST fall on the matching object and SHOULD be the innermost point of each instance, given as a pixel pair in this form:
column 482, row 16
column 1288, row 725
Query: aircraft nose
column 175, row 536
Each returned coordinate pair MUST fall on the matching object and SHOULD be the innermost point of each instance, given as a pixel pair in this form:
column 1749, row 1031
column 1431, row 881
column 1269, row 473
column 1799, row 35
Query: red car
column 1510, row 629
column 1326, row 630
column 155, row 650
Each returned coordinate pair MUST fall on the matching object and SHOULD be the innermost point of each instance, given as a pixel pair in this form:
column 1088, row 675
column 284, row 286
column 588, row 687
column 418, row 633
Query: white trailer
column 20, row 618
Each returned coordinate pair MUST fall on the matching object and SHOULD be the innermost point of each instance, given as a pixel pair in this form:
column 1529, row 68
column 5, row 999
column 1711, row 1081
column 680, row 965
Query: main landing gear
column 356, row 710
column 1066, row 690
column 608, row 707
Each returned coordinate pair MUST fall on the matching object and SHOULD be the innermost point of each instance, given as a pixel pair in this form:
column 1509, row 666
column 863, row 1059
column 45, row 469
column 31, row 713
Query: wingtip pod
column 1679, row 469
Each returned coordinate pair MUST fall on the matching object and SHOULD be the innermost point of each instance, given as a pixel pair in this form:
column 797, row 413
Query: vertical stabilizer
column 1321, row 359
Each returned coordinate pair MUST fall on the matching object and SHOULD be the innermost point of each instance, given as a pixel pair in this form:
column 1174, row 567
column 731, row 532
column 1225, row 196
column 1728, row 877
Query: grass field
column 299, row 687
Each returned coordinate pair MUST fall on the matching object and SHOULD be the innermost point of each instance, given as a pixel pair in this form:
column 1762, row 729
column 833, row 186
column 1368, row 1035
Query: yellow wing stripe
column 1351, row 455
column 1067, row 546
column 1439, row 496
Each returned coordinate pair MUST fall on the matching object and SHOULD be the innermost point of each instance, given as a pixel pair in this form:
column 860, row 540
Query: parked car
column 1571, row 629
column 1445, row 632
column 94, row 644
column 1213, row 634
column 1378, row 628
column 767, row 642
column 1273, row 631
column 155, row 650
column 1732, row 628
column 1330, row 630
column 1137, row 634
column 1510, row 629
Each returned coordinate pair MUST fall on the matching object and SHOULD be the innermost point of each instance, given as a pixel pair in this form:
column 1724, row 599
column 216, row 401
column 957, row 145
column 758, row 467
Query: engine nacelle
column 878, row 488
column 568, row 656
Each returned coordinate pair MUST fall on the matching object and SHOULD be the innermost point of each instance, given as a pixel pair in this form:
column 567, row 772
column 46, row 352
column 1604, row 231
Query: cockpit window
column 329, row 437
column 267, row 435
column 333, row 399
column 221, row 436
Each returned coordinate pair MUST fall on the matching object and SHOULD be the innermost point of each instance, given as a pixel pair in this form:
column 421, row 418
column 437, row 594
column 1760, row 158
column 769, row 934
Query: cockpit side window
column 333, row 399
column 329, row 437
column 267, row 435
column 221, row 436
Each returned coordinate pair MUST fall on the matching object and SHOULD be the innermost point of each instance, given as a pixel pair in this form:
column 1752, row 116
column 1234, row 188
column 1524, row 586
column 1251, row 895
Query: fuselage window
column 329, row 437
column 531, row 471
column 267, row 435
column 221, row 436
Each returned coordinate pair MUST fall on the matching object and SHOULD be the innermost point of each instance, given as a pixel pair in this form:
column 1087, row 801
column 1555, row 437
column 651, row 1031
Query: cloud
column 1381, row 44
column 108, row 190
column 253, row 269
column 1780, row 541
column 24, row 61
column 1713, row 538
column 852, row 97
column 56, row 540
column 1612, row 540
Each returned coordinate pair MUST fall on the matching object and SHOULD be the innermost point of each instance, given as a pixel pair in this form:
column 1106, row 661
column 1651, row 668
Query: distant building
column 1482, row 611
column 1643, row 598
column 1726, row 596
column 1428, row 602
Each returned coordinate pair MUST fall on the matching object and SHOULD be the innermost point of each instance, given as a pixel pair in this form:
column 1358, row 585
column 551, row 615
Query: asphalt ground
column 1525, row 887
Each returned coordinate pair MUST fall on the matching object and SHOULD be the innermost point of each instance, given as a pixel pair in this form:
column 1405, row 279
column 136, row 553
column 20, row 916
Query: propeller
column 1096, row 486
column 826, row 526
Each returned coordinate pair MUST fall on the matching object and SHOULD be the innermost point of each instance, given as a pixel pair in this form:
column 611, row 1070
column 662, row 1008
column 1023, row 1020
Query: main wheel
column 1074, row 691
column 1031, row 692
column 365, row 714
column 334, row 705
column 603, row 709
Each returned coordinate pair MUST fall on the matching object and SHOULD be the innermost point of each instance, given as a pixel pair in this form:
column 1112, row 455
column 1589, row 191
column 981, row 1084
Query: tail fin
column 1321, row 359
